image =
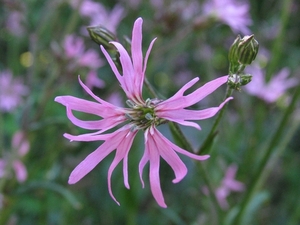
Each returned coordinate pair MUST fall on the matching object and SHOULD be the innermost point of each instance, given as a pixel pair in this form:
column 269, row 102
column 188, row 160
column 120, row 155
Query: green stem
column 278, row 45
column 175, row 129
column 205, row 147
column 259, row 172
column 73, row 20
column 150, row 88
column 211, row 191
column 296, row 212
column 49, row 88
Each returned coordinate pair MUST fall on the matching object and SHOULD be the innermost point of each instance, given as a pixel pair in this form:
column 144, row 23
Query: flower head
column 75, row 49
column 231, row 13
column 19, row 147
column 272, row 90
column 75, row 52
column 11, row 92
column 99, row 15
column 14, row 23
column 142, row 115
column 228, row 184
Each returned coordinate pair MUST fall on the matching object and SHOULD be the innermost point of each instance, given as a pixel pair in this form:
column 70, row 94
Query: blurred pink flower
column 20, row 143
column 99, row 15
column 228, row 184
column 75, row 49
column 20, row 147
column 11, row 91
column 142, row 115
column 236, row 15
column 2, row 167
column 92, row 80
column 116, row 99
column 20, row 170
column 14, row 23
column 272, row 90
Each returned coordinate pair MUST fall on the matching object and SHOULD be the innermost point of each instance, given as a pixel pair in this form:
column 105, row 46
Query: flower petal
column 154, row 175
column 94, row 96
column 143, row 162
column 185, row 114
column 182, row 151
column 136, row 47
column 205, row 90
column 103, row 124
column 113, row 66
column 178, row 95
column 96, row 157
column 169, row 155
column 121, row 153
column 127, row 69
column 196, row 96
column 20, row 170
column 80, row 105
column 90, row 162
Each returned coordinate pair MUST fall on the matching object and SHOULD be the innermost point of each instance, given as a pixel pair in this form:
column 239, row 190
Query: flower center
column 142, row 116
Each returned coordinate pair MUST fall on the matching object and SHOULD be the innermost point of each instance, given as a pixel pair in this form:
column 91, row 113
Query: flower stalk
column 242, row 53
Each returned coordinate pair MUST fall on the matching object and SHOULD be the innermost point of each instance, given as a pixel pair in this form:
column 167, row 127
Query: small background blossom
column 269, row 91
column 228, row 184
column 99, row 15
column 12, row 91
column 231, row 12
column 13, row 158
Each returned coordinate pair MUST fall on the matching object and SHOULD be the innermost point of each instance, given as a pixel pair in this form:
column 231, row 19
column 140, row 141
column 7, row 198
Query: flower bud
column 235, row 81
column 243, row 51
column 245, row 79
column 233, row 55
column 101, row 36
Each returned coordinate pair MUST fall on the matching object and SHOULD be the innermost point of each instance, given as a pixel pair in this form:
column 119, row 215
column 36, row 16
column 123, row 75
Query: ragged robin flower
column 142, row 115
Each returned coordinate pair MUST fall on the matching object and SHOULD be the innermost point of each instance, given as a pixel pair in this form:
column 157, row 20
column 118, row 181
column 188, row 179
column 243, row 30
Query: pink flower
column 272, row 90
column 231, row 13
column 20, row 147
column 11, row 92
column 2, row 167
column 228, row 184
column 75, row 49
column 144, row 115
column 14, row 22
column 99, row 15
column 92, row 80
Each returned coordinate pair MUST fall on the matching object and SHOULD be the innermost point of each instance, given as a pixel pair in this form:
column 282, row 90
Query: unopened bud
column 245, row 79
column 233, row 55
column 243, row 51
column 235, row 81
column 101, row 36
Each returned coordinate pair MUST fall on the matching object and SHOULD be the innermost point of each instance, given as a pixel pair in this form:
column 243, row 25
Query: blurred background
column 45, row 46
